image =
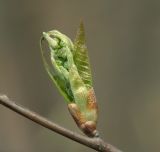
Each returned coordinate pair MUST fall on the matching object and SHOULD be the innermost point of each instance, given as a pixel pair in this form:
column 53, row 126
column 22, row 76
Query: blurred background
column 123, row 39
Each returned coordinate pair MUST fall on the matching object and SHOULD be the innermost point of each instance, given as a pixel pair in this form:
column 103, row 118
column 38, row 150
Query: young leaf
column 60, row 82
column 81, row 58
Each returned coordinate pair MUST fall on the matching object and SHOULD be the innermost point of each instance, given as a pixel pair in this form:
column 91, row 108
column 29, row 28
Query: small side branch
column 94, row 143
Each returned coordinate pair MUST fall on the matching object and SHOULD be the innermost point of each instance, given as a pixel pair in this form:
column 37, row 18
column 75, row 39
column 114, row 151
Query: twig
column 94, row 143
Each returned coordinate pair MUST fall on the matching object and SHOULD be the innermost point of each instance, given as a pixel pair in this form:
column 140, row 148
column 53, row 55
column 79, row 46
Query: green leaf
column 81, row 58
column 60, row 83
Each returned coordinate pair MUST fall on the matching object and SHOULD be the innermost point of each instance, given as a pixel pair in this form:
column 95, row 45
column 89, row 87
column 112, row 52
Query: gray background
column 123, row 38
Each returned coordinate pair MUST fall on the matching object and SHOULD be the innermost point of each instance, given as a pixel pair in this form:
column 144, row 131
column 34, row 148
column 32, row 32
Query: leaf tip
column 80, row 36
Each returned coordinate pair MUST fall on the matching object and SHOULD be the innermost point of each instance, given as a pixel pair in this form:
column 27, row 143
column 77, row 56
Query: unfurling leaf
column 67, row 64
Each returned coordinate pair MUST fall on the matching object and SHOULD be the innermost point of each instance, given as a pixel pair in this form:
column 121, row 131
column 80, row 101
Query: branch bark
column 94, row 143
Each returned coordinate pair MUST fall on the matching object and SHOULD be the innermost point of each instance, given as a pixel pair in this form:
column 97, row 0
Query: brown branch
column 94, row 143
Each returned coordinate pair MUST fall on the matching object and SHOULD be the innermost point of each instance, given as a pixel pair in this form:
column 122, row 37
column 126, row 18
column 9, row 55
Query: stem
column 94, row 143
